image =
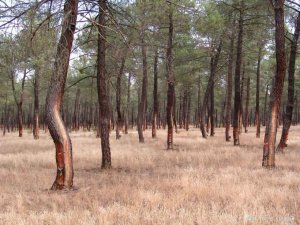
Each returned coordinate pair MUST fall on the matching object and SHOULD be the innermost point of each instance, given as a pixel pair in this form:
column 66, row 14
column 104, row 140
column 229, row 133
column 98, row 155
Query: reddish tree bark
column 271, row 130
column 59, row 134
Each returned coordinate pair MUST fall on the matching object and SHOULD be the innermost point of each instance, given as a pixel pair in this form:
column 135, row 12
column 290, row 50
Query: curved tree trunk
column 59, row 134
column 104, row 107
column 271, row 130
column 291, row 80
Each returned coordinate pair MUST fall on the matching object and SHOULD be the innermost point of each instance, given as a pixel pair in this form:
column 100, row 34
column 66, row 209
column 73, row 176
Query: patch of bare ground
column 200, row 182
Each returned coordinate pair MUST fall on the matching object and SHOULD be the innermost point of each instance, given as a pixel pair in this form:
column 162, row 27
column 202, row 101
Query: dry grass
column 201, row 182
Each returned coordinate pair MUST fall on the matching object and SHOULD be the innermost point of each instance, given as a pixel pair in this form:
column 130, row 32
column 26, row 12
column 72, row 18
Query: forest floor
column 200, row 182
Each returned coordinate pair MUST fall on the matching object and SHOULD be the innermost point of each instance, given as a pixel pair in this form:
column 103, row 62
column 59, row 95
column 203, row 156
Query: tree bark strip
column 270, row 137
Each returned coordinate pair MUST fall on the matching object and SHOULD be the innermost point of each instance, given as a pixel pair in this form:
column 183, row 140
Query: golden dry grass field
column 201, row 182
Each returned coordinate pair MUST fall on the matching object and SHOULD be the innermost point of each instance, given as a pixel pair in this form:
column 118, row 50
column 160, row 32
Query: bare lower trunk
column 188, row 114
column 241, row 116
column 128, row 103
column 36, row 104
column 247, row 106
column 229, row 89
column 257, row 116
column 291, row 80
column 237, row 95
column 213, row 66
column 59, row 134
column 20, row 119
column 155, row 97
column 142, row 103
column 119, row 124
column 265, row 105
column 5, row 119
column 171, row 83
column 76, row 111
column 103, row 97
column 270, row 138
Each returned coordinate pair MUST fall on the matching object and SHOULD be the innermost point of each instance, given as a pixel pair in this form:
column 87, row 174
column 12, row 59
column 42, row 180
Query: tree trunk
column 103, row 98
column 118, row 99
column 241, row 116
column 155, row 97
column 291, row 82
column 59, row 134
column 19, row 102
column 127, row 104
column 237, row 94
column 5, row 119
column 76, row 111
column 270, row 137
column 188, row 114
column 209, row 89
column 142, row 103
column 198, row 102
column 247, row 106
column 229, row 89
column 36, row 103
column 170, row 81
column 265, row 106
column 20, row 119
column 174, row 111
column 257, row 114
